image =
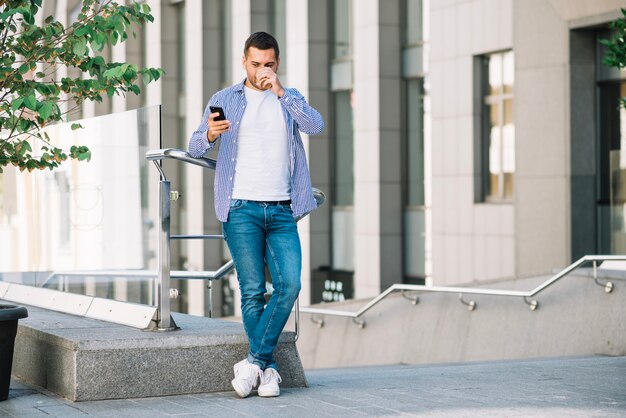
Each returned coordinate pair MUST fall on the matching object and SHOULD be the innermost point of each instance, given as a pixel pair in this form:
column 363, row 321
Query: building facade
column 465, row 140
column 526, row 137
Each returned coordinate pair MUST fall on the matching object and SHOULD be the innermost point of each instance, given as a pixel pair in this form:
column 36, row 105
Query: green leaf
column 156, row 73
column 22, row 148
column 30, row 102
column 76, row 126
column 43, row 88
column 82, row 30
column 114, row 72
column 46, row 110
column 28, row 18
column 17, row 103
column 24, row 125
column 100, row 23
column 99, row 61
column 80, row 47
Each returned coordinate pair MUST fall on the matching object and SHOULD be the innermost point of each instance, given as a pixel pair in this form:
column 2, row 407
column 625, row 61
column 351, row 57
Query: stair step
column 85, row 359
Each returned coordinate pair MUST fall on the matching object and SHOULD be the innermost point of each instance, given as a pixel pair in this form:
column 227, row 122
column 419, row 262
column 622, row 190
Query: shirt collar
column 239, row 87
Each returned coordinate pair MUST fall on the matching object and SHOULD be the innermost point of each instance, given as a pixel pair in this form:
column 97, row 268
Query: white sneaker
column 246, row 377
column 269, row 383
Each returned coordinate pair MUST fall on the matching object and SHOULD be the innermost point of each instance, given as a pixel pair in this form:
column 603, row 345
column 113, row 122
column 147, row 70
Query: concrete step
column 85, row 359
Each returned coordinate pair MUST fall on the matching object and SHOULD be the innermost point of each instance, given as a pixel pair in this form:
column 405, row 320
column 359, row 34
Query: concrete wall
column 533, row 233
column 575, row 317
column 470, row 241
column 543, row 91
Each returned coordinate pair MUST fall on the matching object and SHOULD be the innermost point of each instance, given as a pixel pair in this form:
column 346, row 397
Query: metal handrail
column 176, row 274
column 180, row 155
column 166, row 195
column 608, row 287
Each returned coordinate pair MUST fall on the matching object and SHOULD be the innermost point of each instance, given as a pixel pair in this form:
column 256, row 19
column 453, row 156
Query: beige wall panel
column 541, row 241
column 540, row 123
column 577, row 9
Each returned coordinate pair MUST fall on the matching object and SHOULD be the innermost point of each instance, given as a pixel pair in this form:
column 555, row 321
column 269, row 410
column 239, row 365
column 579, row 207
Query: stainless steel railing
column 526, row 295
column 166, row 196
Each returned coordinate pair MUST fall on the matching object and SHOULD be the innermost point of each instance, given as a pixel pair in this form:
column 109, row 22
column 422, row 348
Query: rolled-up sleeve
column 199, row 142
column 309, row 120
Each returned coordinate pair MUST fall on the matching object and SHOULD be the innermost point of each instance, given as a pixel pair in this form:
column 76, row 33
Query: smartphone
column 216, row 109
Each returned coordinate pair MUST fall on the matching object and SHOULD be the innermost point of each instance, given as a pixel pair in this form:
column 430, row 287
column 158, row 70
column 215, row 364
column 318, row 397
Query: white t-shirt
column 262, row 166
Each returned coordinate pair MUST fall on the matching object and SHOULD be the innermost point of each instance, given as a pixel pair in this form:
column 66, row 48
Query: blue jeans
column 258, row 234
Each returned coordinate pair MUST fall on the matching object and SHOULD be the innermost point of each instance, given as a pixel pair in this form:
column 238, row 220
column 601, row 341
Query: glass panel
column 342, row 28
column 499, row 127
column 226, row 36
column 180, row 12
column 344, row 144
column 495, row 74
column 342, row 214
column 415, row 243
column 508, row 72
column 618, row 202
column 413, row 22
column 495, row 164
column 494, row 115
column 508, row 159
column 610, row 152
column 279, row 25
column 343, row 239
column 415, row 142
column 508, row 112
column 96, row 215
column 618, row 181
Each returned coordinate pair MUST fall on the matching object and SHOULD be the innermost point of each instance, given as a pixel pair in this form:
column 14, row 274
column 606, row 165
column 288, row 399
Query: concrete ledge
column 85, row 359
column 124, row 313
column 576, row 317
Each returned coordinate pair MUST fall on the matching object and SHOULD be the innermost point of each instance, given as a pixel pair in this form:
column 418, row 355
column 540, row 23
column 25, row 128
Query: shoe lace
column 249, row 372
column 271, row 375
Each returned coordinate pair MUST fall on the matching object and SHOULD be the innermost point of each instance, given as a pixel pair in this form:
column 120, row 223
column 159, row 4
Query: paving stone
column 561, row 387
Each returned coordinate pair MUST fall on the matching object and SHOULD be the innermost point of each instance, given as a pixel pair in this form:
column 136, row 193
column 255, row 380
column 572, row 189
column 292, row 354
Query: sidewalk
column 563, row 387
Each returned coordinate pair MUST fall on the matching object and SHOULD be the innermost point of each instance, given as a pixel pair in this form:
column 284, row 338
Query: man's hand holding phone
column 218, row 124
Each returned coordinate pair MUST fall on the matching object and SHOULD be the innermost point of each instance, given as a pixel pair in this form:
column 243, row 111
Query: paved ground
column 565, row 387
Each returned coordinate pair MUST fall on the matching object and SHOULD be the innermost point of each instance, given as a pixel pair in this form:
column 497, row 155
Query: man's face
column 257, row 59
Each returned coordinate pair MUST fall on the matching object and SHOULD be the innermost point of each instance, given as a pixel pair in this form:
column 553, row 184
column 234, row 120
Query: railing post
column 163, row 285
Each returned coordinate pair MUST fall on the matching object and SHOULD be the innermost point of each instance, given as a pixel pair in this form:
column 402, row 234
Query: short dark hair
column 263, row 41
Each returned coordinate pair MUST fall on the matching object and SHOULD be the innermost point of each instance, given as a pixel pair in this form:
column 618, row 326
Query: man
column 262, row 183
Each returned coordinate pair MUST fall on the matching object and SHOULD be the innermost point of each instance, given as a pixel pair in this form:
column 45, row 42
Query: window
column 344, row 153
column 415, row 142
column 498, row 131
column 342, row 29
column 226, row 67
column 413, row 22
column 342, row 167
column 279, row 22
column 415, row 117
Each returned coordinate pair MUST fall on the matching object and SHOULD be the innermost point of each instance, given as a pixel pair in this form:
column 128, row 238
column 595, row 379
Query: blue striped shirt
column 299, row 116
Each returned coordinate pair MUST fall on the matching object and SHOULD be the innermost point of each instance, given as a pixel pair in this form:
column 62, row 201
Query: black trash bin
column 9, row 314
